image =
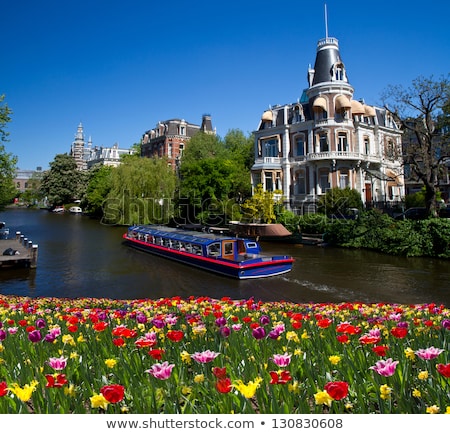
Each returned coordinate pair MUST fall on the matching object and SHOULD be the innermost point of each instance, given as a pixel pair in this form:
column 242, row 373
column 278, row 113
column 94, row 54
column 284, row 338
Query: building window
column 324, row 182
column 278, row 185
column 182, row 130
column 270, row 148
column 301, row 183
column 169, row 150
column 390, row 150
column 300, row 146
column 343, row 180
column 366, row 146
column 323, row 140
column 268, row 181
column 342, row 142
column 181, row 149
column 297, row 115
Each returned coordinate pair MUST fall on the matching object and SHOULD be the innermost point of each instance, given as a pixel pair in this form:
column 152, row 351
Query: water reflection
column 79, row 257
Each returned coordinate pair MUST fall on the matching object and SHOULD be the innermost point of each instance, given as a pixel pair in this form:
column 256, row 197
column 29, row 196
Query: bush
column 380, row 232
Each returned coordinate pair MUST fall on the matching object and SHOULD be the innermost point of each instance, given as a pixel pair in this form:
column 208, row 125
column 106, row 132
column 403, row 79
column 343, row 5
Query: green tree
column 213, row 174
column 337, row 201
column 420, row 111
column 260, row 207
column 141, row 191
column 97, row 190
column 7, row 160
column 63, row 182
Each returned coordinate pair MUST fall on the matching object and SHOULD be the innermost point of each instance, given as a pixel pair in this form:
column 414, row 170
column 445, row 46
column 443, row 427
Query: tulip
column 386, row 368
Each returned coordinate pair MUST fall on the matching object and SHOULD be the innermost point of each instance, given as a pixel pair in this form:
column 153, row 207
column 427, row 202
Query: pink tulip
column 428, row 353
column 281, row 360
column 57, row 363
column 205, row 356
column 386, row 368
column 161, row 371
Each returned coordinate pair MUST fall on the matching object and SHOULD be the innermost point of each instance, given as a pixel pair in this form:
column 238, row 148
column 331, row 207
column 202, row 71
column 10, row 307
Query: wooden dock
column 27, row 252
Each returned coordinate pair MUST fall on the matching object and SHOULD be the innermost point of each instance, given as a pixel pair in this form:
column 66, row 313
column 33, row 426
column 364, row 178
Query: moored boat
column 264, row 232
column 4, row 231
column 75, row 210
column 234, row 257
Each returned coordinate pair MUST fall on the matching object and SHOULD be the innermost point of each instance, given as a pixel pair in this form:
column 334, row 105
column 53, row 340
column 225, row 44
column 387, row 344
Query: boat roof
column 202, row 238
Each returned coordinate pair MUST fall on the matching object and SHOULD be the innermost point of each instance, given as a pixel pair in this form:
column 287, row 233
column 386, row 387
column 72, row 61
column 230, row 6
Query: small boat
column 4, row 231
column 264, row 232
column 58, row 209
column 239, row 258
column 75, row 210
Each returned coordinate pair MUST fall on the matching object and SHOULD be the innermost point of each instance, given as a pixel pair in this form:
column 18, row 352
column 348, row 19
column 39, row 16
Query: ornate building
column 88, row 156
column 168, row 139
column 327, row 139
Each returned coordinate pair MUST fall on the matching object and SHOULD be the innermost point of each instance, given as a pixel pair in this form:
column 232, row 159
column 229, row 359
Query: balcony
column 267, row 163
column 343, row 155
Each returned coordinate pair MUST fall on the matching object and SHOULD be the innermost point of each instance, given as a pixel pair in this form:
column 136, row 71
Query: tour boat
column 234, row 257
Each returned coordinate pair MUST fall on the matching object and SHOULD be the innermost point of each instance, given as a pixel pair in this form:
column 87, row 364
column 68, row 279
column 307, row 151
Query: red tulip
column 337, row 389
column 113, row 392
column 444, row 369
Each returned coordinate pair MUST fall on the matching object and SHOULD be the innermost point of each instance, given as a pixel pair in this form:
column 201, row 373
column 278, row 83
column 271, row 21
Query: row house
column 168, row 139
column 328, row 139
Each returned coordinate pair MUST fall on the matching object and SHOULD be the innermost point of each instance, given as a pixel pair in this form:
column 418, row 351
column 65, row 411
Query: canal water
column 79, row 257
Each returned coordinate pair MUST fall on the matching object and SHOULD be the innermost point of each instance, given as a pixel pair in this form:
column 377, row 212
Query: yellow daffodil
column 68, row 339
column 99, row 401
column 249, row 389
column 69, row 390
column 199, row 378
column 110, row 363
column 80, row 338
column 185, row 357
column 334, row 360
column 292, row 336
column 409, row 353
column 294, row 387
column 24, row 393
column 447, row 410
column 423, row 375
column 416, row 393
column 434, row 409
column 322, row 397
column 385, row 391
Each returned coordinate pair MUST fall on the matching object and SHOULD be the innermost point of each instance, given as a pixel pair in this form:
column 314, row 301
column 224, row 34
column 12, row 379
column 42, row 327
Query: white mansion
column 327, row 139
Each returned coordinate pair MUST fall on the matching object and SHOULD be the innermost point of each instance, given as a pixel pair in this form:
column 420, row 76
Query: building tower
column 77, row 150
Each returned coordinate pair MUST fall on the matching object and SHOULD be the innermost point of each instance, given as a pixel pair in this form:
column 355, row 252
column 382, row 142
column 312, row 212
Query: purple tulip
column 225, row 331
column 258, row 333
column 264, row 320
column 40, row 323
column 2, row 335
column 446, row 324
column 221, row 321
column 34, row 336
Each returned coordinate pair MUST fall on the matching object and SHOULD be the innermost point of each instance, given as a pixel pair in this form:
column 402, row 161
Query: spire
column 326, row 22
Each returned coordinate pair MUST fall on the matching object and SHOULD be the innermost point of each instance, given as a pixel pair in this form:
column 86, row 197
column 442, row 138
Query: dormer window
column 338, row 72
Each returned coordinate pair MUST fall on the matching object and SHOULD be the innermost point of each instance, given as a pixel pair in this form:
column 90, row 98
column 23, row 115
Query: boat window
column 196, row 250
column 228, row 248
column 252, row 245
column 214, row 249
column 158, row 240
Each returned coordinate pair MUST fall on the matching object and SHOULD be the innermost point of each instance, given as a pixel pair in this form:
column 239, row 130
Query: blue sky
column 120, row 67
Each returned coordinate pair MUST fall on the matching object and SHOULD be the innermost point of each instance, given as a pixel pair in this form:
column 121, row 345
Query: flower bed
column 200, row 355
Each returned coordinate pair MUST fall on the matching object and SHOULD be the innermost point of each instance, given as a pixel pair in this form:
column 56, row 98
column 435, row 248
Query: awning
column 379, row 175
column 320, row 103
column 357, row 108
column 342, row 102
column 369, row 111
column 267, row 116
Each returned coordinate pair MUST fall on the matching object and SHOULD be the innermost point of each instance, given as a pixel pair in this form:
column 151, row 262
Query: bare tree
column 421, row 112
